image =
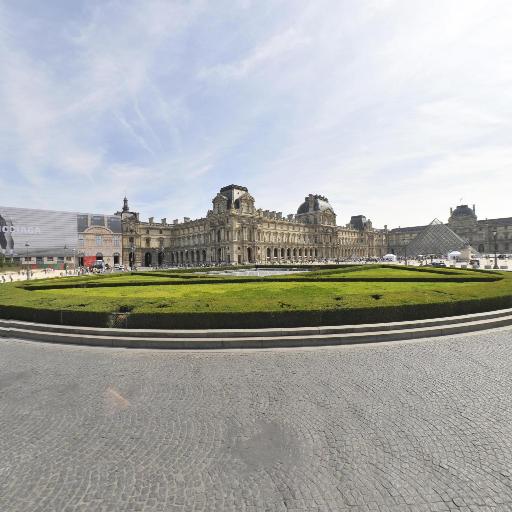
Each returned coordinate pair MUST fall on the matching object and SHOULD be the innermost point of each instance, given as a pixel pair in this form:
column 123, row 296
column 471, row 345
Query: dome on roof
column 314, row 203
column 463, row 210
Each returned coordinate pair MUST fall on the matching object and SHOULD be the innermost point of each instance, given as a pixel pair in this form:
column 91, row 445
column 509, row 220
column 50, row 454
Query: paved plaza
column 411, row 426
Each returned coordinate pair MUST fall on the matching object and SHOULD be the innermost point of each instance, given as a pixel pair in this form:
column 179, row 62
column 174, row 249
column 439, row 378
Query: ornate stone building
column 235, row 232
column 99, row 239
column 464, row 222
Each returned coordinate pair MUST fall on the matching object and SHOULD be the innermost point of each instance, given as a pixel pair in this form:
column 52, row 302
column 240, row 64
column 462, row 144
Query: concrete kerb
column 245, row 333
column 255, row 338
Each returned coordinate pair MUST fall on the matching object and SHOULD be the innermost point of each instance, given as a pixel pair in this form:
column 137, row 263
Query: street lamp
column 27, row 245
column 132, row 256
column 65, row 264
column 162, row 252
column 495, row 236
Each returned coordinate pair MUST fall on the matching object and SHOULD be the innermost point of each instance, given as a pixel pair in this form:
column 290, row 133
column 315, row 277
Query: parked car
column 438, row 264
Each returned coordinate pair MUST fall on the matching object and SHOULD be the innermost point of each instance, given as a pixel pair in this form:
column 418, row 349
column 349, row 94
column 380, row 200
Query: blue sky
column 392, row 109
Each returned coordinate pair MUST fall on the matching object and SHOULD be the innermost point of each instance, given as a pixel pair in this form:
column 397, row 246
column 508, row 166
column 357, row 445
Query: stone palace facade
column 235, row 232
column 463, row 221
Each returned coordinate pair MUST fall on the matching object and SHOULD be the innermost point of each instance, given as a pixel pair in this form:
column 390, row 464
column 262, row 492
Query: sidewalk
column 34, row 274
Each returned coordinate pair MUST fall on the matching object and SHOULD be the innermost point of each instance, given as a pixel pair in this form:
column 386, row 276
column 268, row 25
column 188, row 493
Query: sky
column 394, row 109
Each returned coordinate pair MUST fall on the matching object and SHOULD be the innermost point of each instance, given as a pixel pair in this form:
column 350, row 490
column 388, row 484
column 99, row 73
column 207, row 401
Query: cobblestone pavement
column 420, row 426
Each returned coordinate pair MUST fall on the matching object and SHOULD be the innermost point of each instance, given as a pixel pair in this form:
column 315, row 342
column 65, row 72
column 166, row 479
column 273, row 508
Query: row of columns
column 252, row 254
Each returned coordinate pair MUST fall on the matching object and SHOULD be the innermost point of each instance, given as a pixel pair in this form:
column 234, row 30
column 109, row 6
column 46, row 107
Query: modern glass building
column 56, row 239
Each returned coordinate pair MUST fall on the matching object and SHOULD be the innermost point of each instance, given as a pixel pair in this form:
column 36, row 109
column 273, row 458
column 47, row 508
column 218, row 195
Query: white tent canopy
column 452, row 255
column 389, row 257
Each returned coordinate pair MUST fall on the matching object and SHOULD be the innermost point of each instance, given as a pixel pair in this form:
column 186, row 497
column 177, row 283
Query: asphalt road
column 424, row 426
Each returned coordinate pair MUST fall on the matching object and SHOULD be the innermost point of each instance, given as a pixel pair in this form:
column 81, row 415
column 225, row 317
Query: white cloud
column 268, row 53
column 394, row 109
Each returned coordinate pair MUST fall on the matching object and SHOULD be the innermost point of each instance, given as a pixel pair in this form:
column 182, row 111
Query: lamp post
column 65, row 264
column 162, row 252
column 495, row 236
column 132, row 258
column 27, row 245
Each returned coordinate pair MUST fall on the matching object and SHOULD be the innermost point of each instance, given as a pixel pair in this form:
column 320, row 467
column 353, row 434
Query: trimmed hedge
column 314, row 318
column 258, row 319
column 305, row 279
column 56, row 316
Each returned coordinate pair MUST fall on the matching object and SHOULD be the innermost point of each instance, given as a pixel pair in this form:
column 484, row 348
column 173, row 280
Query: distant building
column 99, row 239
column 56, row 239
column 464, row 222
column 235, row 232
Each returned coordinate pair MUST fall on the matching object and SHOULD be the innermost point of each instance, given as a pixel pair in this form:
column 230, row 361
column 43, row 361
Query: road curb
column 254, row 338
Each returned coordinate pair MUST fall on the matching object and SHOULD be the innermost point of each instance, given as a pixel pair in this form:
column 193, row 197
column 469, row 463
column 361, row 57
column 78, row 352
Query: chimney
column 164, row 221
column 451, row 211
column 290, row 217
column 186, row 219
column 175, row 221
column 151, row 219
column 474, row 209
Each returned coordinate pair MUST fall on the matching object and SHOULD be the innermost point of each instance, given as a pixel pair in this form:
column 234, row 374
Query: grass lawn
column 274, row 294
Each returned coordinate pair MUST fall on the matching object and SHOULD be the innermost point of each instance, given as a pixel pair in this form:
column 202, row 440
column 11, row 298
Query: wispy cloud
column 391, row 108
column 269, row 53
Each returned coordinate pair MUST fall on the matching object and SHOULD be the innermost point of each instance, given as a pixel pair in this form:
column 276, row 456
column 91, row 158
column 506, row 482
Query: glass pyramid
column 436, row 239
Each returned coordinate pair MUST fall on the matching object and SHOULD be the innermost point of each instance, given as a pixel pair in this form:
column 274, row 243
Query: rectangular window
column 99, row 240
column 80, row 241
column 49, row 258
